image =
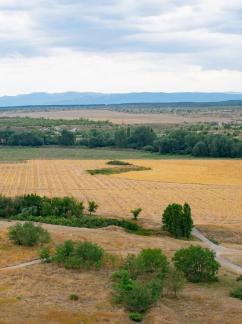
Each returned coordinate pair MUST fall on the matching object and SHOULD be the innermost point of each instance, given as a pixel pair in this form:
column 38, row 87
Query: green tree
column 120, row 138
column 67, row 138
column 200, row 149
column 92, row 207
column 136, row 212
column 172, row 220
column 142, row 136
column 187, row 221
column 177, row 220
column 198, row 264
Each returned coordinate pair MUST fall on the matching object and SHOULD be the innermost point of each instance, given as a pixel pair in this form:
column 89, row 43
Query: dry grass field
column 40, row 293
column 118, row 117
column 212, row 187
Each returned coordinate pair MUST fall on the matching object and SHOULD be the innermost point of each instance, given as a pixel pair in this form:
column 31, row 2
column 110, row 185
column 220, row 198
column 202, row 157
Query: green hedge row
column 84, row 221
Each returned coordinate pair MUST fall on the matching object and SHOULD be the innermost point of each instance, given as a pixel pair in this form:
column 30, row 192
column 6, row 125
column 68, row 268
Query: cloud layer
column 157, row 40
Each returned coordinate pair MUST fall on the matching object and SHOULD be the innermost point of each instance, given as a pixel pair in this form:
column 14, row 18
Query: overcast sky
column 120, row 45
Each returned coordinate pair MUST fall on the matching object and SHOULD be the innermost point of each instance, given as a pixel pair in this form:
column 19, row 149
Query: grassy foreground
column 55, row 152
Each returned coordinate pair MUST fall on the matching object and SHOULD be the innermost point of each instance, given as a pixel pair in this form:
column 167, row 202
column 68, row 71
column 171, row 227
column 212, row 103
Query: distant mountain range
column 93, row 98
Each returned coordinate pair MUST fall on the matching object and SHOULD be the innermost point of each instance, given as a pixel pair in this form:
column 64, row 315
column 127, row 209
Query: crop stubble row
column 117, row 195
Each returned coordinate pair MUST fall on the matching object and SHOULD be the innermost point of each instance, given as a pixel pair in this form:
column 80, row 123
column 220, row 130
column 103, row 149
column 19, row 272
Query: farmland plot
column 212, row 187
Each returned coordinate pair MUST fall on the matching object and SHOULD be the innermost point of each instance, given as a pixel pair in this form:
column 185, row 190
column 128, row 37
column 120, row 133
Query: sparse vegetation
column 117, row 162
column 136, row 212
column 45, row 254
column 175, row 281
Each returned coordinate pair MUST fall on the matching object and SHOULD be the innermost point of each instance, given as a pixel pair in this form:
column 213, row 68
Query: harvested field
column 117, row 117
column 212, row 187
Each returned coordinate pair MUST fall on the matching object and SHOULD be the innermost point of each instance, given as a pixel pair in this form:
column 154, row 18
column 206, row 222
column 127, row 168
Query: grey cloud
column 156, row 26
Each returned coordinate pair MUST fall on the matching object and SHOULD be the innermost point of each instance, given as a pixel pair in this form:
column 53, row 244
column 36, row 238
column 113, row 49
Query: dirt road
column 219, row 251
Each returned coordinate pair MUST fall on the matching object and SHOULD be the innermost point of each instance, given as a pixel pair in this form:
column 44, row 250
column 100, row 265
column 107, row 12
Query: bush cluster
column 79, row 255
column 237, row 293
column 142, row 278
column 140, row 281
column 34, row 205
column 28, row 234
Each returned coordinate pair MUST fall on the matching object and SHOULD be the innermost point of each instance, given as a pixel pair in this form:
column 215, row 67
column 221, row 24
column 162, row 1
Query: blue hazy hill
column 92, row 98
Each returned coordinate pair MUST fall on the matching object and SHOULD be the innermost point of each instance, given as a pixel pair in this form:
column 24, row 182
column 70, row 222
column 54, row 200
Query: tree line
column 184, row 142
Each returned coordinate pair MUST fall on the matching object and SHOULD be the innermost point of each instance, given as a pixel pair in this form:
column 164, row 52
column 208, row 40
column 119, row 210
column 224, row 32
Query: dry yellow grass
column 40, row 294
column 212, row 187
column 11, row 254
column 118, row 117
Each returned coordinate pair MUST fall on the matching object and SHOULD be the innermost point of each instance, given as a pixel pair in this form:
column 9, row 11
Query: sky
column 120, row 46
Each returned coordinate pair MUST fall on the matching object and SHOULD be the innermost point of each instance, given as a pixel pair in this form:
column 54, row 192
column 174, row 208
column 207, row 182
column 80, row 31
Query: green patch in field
column 117, row 170
column 118, row 162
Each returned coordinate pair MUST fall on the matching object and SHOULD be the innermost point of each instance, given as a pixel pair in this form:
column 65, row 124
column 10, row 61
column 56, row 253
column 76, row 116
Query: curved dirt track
column 21, row 265
column 219, row 251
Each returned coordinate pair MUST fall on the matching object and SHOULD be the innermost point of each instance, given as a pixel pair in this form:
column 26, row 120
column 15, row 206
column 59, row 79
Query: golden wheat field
column 212, row 187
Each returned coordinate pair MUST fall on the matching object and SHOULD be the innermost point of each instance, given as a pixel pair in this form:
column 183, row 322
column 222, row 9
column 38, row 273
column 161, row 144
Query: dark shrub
column 122, row 283
column 73, row 297
column 79, row 255
column 140, row 281
column 28, row 234
column 6, row 206
column 198, row 264
column 148, row 261
column 136, row 317
column 133, row 266
column 141, row 297
column 237, row 293
column 153, row 260
column 117, row 162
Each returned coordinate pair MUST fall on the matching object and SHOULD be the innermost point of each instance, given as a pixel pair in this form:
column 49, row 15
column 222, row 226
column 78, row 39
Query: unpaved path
column 21, row 265
column 219, row 251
